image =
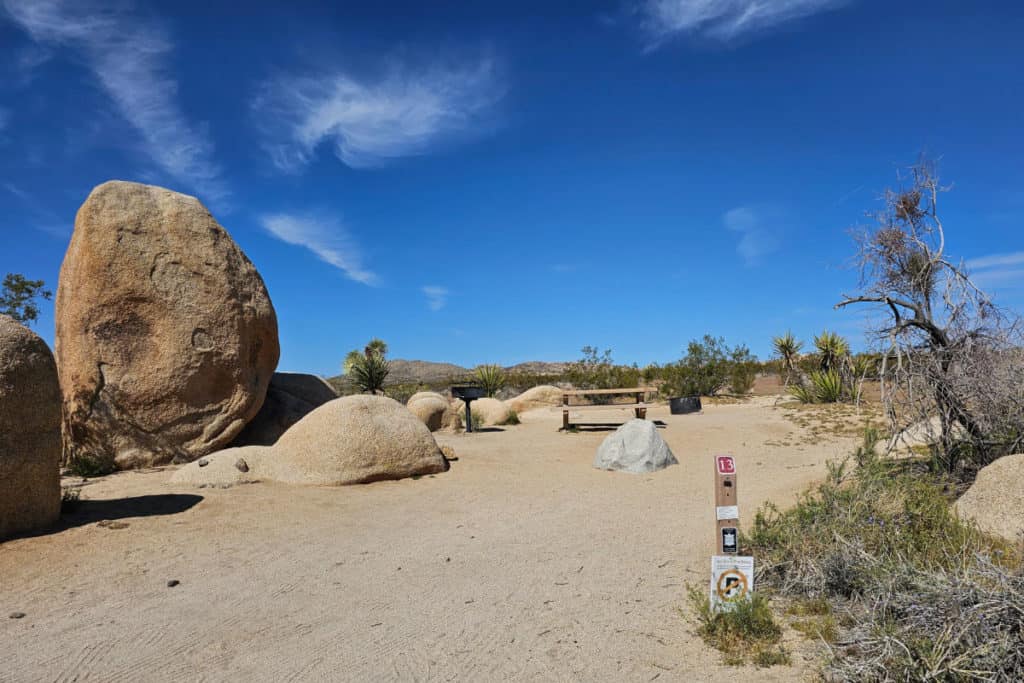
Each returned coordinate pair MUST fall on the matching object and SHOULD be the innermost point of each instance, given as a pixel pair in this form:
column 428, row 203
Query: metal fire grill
column 468, row 393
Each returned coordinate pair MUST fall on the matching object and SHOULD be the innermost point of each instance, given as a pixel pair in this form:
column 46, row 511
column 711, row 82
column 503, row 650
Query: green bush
column 512, row 418
column 82, row 465
column 743, row 368
column 747, row 631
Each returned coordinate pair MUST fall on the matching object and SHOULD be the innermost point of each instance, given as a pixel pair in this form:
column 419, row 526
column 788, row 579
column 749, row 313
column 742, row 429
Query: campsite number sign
column 732, row 575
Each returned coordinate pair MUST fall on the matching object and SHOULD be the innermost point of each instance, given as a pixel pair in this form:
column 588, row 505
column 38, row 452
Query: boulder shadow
column 86, row 511
column 605, row 426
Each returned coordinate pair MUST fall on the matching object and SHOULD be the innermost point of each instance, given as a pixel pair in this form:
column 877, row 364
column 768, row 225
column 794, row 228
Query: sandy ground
column 522, row 562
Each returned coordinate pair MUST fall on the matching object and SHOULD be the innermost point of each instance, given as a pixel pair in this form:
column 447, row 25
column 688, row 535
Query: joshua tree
column 17, row 298
column 491, row 378
column 369, row 369
column 833, row 351
column 951, row 353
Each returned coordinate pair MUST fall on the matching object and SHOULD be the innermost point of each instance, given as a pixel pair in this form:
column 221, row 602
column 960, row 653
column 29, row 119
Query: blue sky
column 501, row 182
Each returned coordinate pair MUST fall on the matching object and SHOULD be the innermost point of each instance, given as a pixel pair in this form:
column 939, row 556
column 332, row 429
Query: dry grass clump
column 892, row 583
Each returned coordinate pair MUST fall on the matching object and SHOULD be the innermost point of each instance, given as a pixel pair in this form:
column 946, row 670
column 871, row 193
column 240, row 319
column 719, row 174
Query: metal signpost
column 732, row 575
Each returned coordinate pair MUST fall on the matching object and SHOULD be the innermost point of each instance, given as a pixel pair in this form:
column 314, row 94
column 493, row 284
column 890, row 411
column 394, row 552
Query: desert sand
column 521, row 562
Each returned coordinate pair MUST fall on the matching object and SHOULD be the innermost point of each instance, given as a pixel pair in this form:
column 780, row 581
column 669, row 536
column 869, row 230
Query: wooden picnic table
column 639, row 407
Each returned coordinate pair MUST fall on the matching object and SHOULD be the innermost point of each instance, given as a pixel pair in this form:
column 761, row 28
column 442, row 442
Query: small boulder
column 491, row 410
column 995, row 501
column 290, row 397
column 430, row 409
column 635, row 447
column 30, row 423
column 354, row 440
column 537, row 397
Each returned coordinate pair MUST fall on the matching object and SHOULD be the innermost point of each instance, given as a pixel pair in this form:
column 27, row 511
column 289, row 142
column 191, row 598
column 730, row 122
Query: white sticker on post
column 727, row 512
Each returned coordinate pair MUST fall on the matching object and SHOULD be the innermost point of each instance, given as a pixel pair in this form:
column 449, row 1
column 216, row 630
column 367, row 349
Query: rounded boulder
column 430, row 409
column 30, row 423
column 355, row 440
column 166, row 338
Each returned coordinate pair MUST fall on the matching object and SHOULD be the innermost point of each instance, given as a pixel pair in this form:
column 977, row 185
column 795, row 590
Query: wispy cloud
column 724, row 20
column 997, row 271
column 325, row 237
column 1013, row 258
column 130, row 58
column 407, row 111
column 437, row 297
column 755, row 239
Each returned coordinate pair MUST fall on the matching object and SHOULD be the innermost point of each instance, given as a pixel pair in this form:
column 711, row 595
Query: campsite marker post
column 732, row 575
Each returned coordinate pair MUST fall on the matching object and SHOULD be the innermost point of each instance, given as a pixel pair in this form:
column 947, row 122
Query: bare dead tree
column 952, row 356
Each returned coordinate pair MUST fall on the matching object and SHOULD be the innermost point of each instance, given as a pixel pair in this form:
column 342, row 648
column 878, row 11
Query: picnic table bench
column 639, row 407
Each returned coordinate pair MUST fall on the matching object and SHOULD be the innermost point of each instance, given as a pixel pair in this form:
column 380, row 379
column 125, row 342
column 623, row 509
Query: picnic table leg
column 641, row 413
column 565, row 420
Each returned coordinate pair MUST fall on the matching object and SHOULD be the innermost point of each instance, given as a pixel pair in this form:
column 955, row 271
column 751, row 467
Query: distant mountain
column 537, row 367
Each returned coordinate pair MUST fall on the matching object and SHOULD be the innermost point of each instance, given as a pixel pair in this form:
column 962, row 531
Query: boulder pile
column 30, row 441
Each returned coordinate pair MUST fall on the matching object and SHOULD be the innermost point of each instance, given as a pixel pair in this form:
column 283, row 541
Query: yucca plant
column 802, row 393
column 351, row 359
column 828, row 386
column 491, row 378
column 833, row 350
column 787, row 350
column 369, row 372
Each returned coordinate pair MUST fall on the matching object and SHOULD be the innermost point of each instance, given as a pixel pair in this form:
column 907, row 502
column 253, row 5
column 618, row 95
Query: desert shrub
column 403, row 392
column 82, row 465
column 747, row 631
column 477, row 418
column 708, row 367
column 512, row 418
column 597, row 371
column 491, row 378
column 917, row 592
column 743, row 368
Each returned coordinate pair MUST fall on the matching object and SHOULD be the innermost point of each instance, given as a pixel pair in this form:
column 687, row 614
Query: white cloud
column 437, row 297
column 1014, row 258
column 406, row 112
column 997, row 271
column 130, row 58
column 755, row 241
column 723, row 19
column 325, row 237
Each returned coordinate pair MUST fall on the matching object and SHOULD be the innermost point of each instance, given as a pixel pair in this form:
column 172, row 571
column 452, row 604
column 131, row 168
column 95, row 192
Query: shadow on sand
column 605, row 426
column 85, row 512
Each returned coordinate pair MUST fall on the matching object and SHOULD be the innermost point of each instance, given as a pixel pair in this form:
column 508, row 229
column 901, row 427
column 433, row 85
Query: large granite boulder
column 30, row 443
column 634, row 447
column 290, row 397
column 354, row 440
column 166, row 337
column 995, row 501
column 537, row 397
